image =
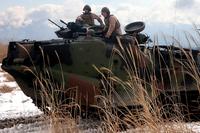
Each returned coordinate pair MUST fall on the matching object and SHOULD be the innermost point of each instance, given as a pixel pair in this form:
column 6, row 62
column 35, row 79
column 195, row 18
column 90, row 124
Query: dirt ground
column 7, row 123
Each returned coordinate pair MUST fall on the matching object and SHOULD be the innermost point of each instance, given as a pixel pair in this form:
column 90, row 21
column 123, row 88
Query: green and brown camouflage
column 79, row 62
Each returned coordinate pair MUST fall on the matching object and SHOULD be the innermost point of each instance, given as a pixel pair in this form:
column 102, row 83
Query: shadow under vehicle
column 75, row 67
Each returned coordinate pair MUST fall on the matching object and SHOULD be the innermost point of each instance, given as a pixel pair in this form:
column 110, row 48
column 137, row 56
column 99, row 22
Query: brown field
column 3, row 51
column 5, row 89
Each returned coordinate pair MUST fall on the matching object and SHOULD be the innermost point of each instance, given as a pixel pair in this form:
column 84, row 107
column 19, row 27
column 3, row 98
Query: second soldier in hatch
column 87, row 18
column 112, row 25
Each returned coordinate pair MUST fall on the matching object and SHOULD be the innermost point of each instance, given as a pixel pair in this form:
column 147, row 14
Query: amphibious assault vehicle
column 83, row 67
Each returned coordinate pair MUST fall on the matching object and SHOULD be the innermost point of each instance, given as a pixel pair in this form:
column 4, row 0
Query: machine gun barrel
column 63, row 22
column 56, row 24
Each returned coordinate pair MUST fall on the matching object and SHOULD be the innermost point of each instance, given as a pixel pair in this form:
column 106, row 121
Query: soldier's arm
column 79, row 17
column 98, row 19
column 111, row 26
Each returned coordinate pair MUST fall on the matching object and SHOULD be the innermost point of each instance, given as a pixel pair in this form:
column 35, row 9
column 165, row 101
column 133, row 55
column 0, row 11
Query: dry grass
column 145, row 91
column 5, row 89
column 149, row 119
column 171, row 127
column 3, row 51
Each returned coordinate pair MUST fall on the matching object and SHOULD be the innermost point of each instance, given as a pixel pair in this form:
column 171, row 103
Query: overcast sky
column 29, row 18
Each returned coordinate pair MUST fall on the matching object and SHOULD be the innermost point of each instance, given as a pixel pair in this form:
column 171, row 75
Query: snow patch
column 2, row 79
column 16, row 104
column 194, row 126
column 0, row 67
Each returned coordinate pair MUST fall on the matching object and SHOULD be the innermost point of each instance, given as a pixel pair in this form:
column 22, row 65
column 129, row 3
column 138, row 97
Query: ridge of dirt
column 7, row 123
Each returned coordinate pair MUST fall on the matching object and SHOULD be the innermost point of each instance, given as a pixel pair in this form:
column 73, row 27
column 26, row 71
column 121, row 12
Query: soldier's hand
column 107, row 36
column 79, row 18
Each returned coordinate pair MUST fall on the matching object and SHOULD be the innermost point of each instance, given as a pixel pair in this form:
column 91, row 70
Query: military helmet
column 87, row 7
column 106, row 10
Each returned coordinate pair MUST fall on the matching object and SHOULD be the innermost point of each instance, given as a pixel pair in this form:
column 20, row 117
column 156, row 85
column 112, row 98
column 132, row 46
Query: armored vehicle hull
column 70, row 64
column 82, row 68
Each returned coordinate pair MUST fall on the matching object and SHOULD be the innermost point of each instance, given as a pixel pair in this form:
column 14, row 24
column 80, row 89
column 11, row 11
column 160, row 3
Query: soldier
column 87, row 18
column 112, row 25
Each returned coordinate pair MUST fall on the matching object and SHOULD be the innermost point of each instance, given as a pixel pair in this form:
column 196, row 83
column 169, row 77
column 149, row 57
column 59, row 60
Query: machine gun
column 73, row 30
column 56, row 24
column 64, row 33
column 63, row 22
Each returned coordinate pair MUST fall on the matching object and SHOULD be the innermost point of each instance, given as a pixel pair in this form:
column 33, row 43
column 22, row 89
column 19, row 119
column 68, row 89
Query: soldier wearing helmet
column 112, row 25
column 87, row 18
